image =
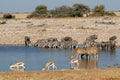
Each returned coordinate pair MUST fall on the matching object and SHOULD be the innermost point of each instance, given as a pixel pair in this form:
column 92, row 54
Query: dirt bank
column 83, row 74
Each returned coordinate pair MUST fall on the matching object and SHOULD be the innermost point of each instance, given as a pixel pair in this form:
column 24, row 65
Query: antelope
column 91, row 51
column 78, row 52
column 18, row 65
column 74, row 63
column 88, row 51
column 50, row 64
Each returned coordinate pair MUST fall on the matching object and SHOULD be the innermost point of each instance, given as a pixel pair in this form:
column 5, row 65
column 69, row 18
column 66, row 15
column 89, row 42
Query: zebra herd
column 104, row 45
column 68, row 42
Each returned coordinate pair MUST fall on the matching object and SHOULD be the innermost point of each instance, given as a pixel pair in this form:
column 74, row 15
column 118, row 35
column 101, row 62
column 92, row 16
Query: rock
column 3, row 22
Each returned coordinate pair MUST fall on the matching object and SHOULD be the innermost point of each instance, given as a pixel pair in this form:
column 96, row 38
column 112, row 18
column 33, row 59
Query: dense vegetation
column 100, row 11
column 77, row 10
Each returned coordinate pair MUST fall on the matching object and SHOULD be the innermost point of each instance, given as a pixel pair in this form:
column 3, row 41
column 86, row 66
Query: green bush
column 80, row 9
column 99, row 10
column 77, row 10
column 37, row 15
column 39, row 12
column 41, row 9
column 110, row 14
column 62, row 11
column 8, row 16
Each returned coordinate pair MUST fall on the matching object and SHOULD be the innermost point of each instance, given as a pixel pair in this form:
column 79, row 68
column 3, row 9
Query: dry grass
column 92, row 74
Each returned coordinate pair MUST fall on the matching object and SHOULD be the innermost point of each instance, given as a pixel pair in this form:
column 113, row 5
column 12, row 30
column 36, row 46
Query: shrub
column 99, row 10
column 80, row 9
column 110, row 14
column 8, row 16
column 37, row 15
column 62, row 11
column 39, row 12
column 41, row 9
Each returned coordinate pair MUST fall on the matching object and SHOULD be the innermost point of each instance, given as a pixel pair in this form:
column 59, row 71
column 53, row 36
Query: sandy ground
column 92, row 74
column 14, row 31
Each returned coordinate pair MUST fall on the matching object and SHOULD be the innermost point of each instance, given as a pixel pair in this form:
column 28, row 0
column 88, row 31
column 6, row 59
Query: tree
column 41, row 9
column 99, row 10
column 80, row 9
column 39, row 12
column 62, row 11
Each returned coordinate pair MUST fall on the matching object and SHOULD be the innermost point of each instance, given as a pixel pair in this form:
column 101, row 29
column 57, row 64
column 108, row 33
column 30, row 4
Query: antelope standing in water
column 88, row 51
column 78, row 52
column 50, row 64
column 91, row 51
column 18, row 65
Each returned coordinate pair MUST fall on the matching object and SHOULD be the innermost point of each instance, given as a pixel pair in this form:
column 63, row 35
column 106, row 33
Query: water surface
column 36, row 58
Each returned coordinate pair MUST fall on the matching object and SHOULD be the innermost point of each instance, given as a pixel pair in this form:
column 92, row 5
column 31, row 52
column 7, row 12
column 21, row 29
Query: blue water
column 36, row 58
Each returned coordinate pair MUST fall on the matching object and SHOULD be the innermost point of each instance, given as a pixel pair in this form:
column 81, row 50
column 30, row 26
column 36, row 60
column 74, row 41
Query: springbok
column 74, row 63
column 50, row 64
column 18, row 65
column 78, row 52
column 88, row 51
column 91, row 51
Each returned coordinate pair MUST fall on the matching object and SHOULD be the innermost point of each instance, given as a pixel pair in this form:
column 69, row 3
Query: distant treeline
column 77, row 10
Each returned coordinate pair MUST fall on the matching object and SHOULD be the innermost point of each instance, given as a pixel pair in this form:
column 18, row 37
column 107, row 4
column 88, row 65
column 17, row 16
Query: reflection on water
column 16, row 69
column 36, row 58
column 89, row 63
